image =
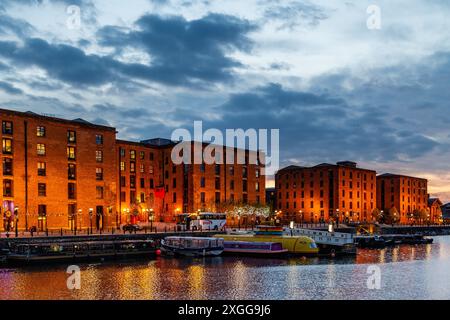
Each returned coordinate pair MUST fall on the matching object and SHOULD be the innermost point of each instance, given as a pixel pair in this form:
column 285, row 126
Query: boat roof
column 190, row 238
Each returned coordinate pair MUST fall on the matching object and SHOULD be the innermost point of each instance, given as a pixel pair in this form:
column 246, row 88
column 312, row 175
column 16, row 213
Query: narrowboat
column 265, row 249
column 76, row 251
column 192, row 246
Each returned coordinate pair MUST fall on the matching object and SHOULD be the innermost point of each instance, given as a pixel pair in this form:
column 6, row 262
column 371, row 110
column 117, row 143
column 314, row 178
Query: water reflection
column 408, row 272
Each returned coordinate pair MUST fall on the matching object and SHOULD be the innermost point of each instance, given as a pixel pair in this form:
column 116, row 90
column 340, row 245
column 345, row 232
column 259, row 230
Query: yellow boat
column 294, row 245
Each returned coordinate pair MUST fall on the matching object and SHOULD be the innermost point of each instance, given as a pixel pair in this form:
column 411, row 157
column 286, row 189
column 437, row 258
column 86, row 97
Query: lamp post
column 301, row 218
column 16, row 218
column 151, row 217
column 337, row 215
column 91, row 212
column 239, row 219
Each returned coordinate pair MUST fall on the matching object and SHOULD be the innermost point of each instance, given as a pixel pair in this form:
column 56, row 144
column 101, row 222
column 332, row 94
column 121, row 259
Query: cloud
column 8, row 88
column 11, row 26
column 184, row 52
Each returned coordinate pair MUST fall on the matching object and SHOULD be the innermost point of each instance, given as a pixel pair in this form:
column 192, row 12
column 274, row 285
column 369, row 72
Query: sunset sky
column 336, row 89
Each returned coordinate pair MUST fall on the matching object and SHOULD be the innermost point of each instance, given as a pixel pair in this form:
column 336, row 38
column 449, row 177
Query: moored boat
column 76, row 251
column 266, row 249
column 192, row 246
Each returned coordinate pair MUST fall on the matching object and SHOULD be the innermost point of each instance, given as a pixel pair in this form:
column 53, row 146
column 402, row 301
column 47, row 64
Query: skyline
column 335, row 89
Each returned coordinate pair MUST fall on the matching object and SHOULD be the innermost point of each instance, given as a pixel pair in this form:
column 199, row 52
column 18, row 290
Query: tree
column 390, row 216
column 421, row 215
column 375, row 215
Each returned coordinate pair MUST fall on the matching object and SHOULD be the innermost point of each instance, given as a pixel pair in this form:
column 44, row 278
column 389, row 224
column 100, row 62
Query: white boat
column 192, row 247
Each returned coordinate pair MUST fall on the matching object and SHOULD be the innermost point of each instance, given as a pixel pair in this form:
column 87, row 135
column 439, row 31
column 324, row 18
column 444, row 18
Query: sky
column 337, row 87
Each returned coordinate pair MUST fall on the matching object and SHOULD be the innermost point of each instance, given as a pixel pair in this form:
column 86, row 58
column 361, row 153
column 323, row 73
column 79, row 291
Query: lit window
column 150, row 169
column 7, row 146
column 40, row 131
column 71, row 136
column 7, row 167
column 142, row 155
column 142, row 168
column 122, row 165
column 71, row 153
column 133, row 155
column 42, row 169
column 72, row 171
column 40, row 149
column 7, row 188
column 132, row 167
column 99, row 174
column 99, row 156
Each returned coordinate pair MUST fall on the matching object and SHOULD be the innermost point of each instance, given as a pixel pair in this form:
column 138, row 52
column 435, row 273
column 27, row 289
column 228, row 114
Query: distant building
column 405, row 194
column 435, row 209
column 271, row 198
column 446, row 211
column 315, row 194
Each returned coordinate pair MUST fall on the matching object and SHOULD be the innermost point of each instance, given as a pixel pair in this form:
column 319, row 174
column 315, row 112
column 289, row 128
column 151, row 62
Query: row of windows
column 41, row 131
column 42, row 190
column 322, row 205
column 311, row 174
column 133, row 154
column 133, row 182
column 133, row 167
column 42, row 170
column 321, row 185
column 322, row 194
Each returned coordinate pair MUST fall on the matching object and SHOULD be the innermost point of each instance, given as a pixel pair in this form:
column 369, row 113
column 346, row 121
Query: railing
column 322, row 237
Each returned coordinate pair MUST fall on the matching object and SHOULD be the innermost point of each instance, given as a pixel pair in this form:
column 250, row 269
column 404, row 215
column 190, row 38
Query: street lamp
column 337, row 215
column 151, row 217
column 301, row 217
column 91, row 212
column 239, row 219
column 16, row 217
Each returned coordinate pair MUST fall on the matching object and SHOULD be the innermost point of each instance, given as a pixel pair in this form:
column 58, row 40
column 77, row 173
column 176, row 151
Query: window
column 232, row 184
column 142, row 197
column 132, row 181
column 217, row 169
column 174, row 169
column 150, row 170
column 7, row 127
column 122, row 152
column 42, row 210
column 42, row 169
column 71, row 136
column 202, row 198
column 257, row 188
column 217, row 183
column 7, row 146
column 142, row 155
column 71, row 191
column 202, row 182
column 152, row 156
column 133, row 197
column 42, row 190
column 122, row 165
column 123, row 197
column 244, row 186
column 174, row 197
column 99, row 174
column 123, row 181
column 71, row 153
column 98, row 139
column 72, row 171
column 7, row 167
column 202, row 167
column 132, row 154
column 244, row 172
column 40, row 149
column 231, row 171
column 152, row 184
column 257, row 173
column 99, row 156
column 174, row 183
column 99, row 192
column 142, row 168
column 7, row 188
column 40, row 131
column 133, row 167
column 142, row 183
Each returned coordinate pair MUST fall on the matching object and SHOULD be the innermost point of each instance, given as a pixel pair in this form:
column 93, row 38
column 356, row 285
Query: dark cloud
column 184, row 52
column 8, row 88
column 12, row 26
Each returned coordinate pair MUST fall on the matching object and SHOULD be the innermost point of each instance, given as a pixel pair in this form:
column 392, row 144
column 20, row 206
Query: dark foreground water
column 407, row 272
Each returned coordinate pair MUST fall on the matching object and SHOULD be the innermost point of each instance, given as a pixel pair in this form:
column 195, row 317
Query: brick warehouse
column 404, row 193
column 60, row 173
column 150, row 184
column 316, row 194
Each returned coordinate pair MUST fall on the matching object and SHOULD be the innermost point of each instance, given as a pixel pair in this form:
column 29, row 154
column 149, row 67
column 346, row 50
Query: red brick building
column 56, row 173
column 435, row 210
column 315, row 194
column 167, row 189
column 405, row 194
column 68, row 174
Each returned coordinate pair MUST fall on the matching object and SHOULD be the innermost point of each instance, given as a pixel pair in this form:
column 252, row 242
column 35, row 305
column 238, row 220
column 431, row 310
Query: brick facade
column 316, row 194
